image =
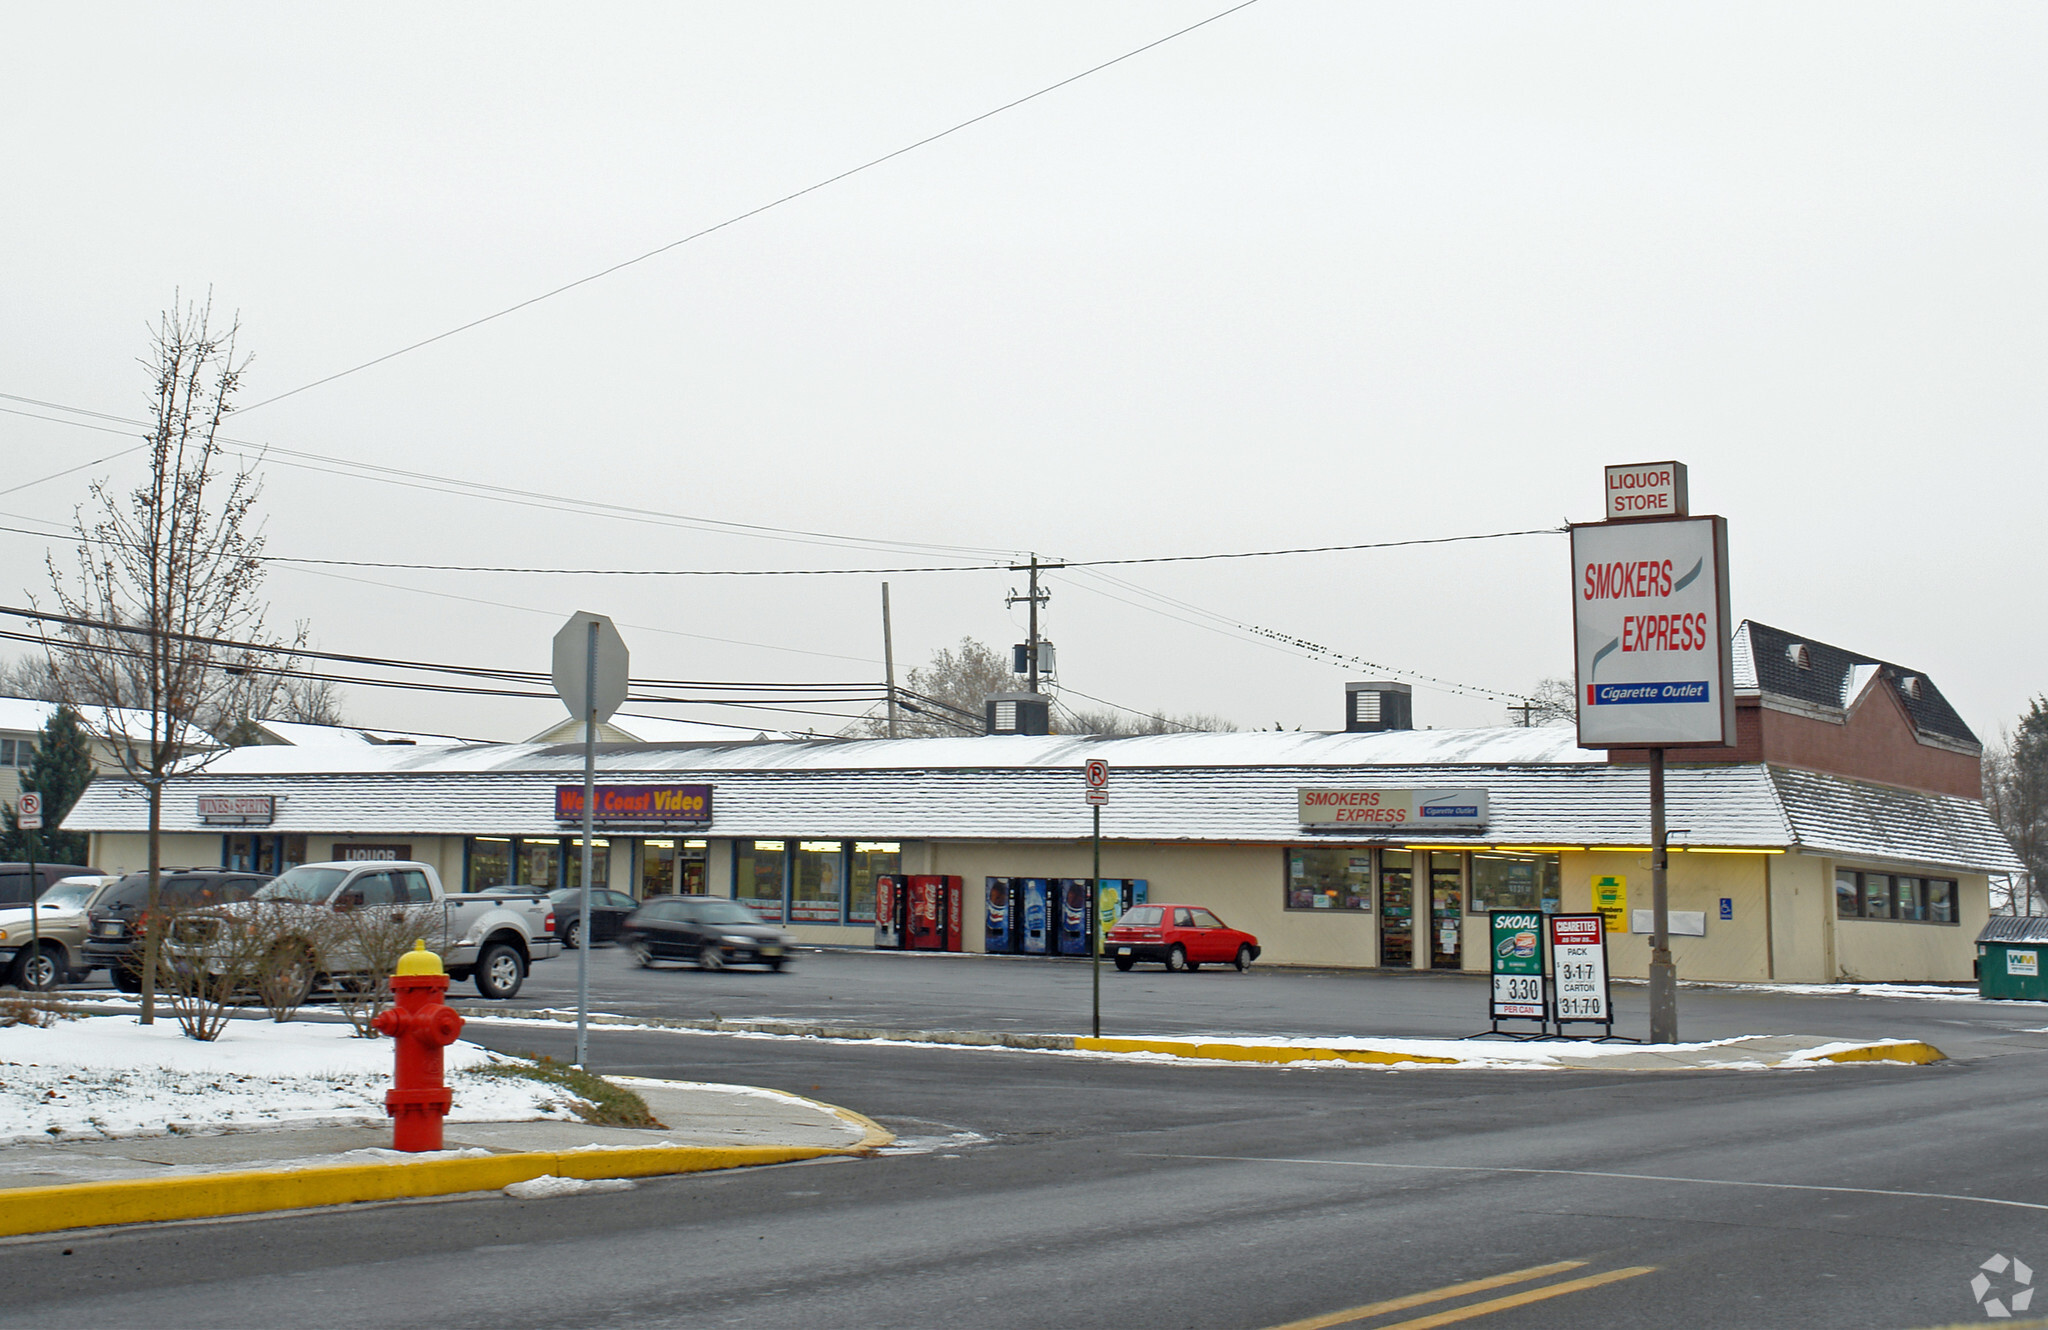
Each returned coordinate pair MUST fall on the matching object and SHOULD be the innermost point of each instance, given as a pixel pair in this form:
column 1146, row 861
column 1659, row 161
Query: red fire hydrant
column 421, row 1025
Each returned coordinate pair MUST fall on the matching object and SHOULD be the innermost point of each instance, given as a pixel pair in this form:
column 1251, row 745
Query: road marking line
column 1623, row 1177
column 1433, row 1295
column 1522, row 1299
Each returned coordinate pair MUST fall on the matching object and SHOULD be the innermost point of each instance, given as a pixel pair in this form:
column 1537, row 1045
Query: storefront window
column 690, row 856
column 757, row 868
column 871, row 859
column 1941, row 901
column 1848, row 903
column 1516, row 882
column 1327, row 879
column 540, row 864
column 600, row 863
column 657, row 868
column 1913, row 900
column 1877, row 896
column 1909, row 900
column 294, row 852
column 490, row 863
column 816, row 875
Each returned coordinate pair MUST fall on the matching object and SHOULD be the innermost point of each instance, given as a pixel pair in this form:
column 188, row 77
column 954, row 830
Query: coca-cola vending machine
column 932, row 919
column 889, row 902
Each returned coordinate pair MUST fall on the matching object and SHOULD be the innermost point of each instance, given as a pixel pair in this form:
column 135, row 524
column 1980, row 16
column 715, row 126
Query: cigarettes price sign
column 1517, row 966
column 1578, row 959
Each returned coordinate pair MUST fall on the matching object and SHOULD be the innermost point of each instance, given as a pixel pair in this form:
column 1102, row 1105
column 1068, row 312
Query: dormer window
column 1796, row 653
column 1909, row 684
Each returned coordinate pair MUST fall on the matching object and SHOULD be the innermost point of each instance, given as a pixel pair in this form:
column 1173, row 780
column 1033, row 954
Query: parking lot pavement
column 927, row 991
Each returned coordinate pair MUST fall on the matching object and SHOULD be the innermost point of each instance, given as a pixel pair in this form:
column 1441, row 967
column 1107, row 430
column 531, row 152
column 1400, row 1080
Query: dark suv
column 114, row 925
column 17, row 889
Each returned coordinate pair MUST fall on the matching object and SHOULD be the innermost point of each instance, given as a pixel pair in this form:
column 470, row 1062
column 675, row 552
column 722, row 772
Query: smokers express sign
column 1650, row 615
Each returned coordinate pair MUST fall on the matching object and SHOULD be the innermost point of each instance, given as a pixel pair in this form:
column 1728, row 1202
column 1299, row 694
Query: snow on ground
column 110, row 1076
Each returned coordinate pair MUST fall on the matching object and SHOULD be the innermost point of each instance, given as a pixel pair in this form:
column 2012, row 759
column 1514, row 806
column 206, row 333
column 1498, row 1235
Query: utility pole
column 1663, row 973
column 888, row 660
column 1035, row 599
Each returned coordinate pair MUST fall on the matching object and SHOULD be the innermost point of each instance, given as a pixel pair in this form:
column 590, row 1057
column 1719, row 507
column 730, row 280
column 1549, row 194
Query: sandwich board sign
column 1517, row 951
column 1578, row 957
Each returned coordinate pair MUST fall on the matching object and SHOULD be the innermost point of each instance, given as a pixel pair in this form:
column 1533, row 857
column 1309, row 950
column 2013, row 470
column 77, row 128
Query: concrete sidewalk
column 45, row 1187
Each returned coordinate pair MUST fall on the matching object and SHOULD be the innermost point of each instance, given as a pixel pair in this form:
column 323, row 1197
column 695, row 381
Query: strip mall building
column 1842, row 837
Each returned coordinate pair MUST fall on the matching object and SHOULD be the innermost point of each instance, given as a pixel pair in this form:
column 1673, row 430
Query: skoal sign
column 1650, row 615
column 1394, row 810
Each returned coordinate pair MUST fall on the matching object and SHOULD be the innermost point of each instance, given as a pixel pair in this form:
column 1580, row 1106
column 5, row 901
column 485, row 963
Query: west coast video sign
column 636, row 803
column 1393, row 810
column 1650, row 614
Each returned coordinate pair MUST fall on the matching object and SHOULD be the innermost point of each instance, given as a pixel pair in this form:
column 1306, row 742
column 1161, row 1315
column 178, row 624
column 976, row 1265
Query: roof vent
column 1910, row 685
column 1796, row 653
column 1380, row 705
column 1018, row 713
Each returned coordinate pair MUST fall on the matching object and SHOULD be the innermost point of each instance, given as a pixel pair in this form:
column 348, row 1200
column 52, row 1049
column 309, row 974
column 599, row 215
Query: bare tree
column 2016, row 793
column 1113, row 723
column 1554, row 702
column 163, row 615
column 946, row 696
column 30, row 676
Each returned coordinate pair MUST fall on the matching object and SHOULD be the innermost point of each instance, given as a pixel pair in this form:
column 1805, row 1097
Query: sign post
column 1518, row 993
column 28, row 816
column 1097, row 778
column 1654, row 667
column 590, row 678
column 1578, row 961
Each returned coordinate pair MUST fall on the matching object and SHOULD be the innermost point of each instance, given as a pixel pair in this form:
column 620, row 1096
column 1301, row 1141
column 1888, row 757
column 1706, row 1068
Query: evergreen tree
column 59, row 772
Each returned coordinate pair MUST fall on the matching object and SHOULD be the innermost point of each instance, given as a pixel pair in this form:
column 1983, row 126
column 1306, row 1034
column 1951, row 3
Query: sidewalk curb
column 210, row 1195
column 1905, row 1050
column 1187, row 1048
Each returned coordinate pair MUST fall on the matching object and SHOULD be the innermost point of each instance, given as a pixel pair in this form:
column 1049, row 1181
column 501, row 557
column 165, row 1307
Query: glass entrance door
column 1446, row 910
column 1397, row 909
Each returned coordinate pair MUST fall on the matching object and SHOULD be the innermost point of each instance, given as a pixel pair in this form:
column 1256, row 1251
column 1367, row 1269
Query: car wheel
column 777, row 964
column 288, row 976
column 126, row 980
column 572, row 933
column 1124, row 963
column 1244, row 959
column 500, row 971
column 1177, row 959
column 38, row 969
column 642, row 954
column 710, row 957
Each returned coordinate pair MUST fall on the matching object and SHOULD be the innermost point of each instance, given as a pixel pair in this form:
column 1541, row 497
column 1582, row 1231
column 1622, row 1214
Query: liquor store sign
column 237, row 810
column 1393, row 810
column 636, row 803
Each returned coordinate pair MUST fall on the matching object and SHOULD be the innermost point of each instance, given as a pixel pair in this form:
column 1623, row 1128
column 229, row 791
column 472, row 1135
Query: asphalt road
column 1040, row 1189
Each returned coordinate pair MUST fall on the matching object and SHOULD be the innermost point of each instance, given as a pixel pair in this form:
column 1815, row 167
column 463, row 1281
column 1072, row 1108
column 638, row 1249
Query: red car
column 1181, row 937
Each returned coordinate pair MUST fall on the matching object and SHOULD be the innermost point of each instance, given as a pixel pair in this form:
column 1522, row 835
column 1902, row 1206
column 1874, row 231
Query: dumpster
column 2010, row 952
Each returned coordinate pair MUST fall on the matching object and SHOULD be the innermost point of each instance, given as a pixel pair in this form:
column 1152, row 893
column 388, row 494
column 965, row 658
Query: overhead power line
column 757, row 211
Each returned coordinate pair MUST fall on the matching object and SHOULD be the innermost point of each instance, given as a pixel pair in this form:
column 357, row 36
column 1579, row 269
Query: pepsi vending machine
column 889, row 903
column 1071, row 936
column 1037, row 902
column 1000, row 933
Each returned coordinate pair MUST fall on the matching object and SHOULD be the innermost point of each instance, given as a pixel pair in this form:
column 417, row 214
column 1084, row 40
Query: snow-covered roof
column 303, row 735
column 27, row 715
column 1180, row 788
column 658, row 729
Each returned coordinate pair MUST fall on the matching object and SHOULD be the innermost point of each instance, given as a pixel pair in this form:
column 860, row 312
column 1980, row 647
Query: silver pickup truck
column 489, row 938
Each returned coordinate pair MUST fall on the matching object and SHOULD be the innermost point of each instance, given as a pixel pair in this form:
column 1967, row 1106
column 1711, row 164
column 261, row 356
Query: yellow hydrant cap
column 420, row 961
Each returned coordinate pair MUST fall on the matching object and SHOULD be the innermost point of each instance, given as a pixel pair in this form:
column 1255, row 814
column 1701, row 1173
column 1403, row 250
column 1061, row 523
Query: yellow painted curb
column 1181, row 1048
column 205, row 1195
column 1911, row 1051
column 873, row 1135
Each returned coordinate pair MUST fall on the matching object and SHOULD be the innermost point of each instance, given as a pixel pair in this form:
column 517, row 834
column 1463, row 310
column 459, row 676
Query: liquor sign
column 237, row 810
column 1578, row 959
column 1646, row 489
column 636, row 803
column 1395, row 810
column 1517, row 966
column 1650, row 617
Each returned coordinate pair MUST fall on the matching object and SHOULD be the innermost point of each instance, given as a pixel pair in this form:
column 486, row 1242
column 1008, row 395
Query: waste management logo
column 2012, row 1290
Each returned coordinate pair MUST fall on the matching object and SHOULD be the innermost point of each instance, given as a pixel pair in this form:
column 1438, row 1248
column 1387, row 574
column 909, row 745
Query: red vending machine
column 932, row 919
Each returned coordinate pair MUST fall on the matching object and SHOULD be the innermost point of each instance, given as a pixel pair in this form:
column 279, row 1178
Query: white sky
column 1317, row 273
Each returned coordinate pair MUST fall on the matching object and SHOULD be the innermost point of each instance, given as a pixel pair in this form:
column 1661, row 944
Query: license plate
column 1123, row 951
column 110, row 929
column 771, row 951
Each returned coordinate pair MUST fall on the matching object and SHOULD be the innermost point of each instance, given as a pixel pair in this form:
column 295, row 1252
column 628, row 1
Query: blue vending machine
column 1072, row 926
column 1036, row 914
column 1001, row 933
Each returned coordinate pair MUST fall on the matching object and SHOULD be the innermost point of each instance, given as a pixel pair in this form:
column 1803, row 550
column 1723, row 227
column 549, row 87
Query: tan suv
column 59, row 924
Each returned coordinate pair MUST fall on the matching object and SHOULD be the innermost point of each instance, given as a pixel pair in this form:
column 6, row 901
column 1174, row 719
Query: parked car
column 59, row 925
column 18, row 887
column 492, row 938
column 114, row 920
column 608, row 911
column 710, row 930
column 1180, row 937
